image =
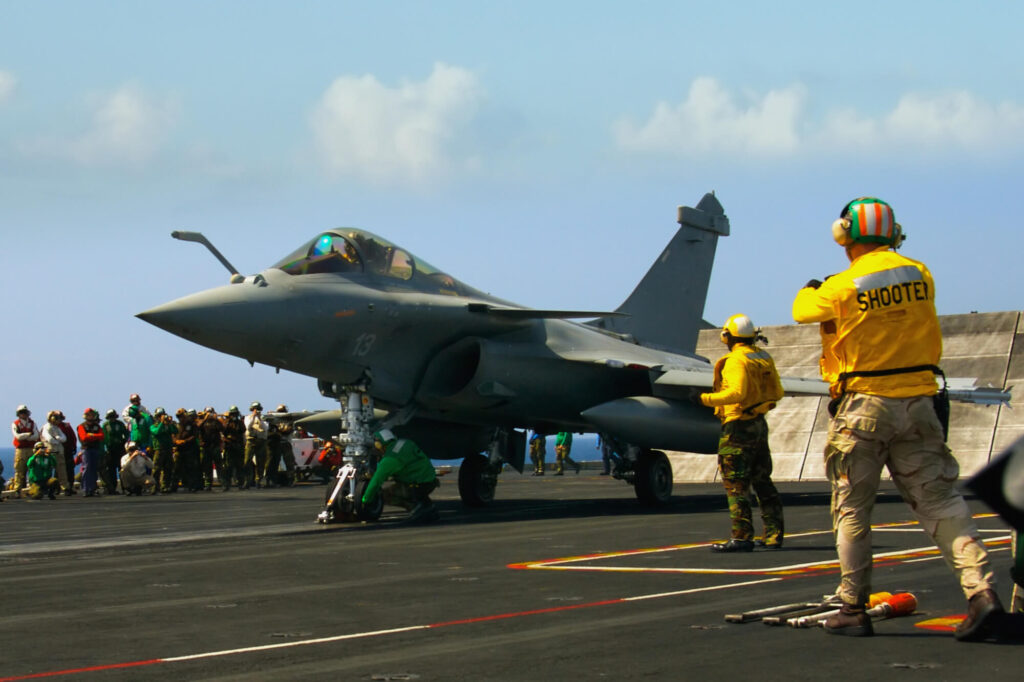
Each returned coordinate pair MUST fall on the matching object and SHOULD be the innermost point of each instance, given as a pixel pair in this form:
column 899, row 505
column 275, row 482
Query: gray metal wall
column 985, row 346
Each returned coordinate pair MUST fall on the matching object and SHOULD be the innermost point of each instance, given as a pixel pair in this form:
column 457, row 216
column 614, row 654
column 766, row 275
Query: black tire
column 476, row 483
column 370, row 512
column 653, row 482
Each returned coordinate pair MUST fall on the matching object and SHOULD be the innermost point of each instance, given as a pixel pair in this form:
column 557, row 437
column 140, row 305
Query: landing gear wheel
column 476, row 482
column 653, row 482
column 370, row 512
column 340, row 511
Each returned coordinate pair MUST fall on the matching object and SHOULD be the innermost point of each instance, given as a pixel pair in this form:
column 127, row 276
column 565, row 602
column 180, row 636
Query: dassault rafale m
column 405, row 346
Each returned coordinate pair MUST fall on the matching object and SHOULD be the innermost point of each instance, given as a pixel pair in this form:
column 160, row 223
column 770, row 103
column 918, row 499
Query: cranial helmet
column 233, row 409
column 256, row 406
column 738, row 326
column 384, row 436
column 111, row 414
column 867, row 220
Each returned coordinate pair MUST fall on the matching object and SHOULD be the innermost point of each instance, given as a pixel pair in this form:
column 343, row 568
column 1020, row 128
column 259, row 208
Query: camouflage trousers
column 407, row 495
column 163, row 469
column 37, row 490
column 745, row 462
column 904, row 435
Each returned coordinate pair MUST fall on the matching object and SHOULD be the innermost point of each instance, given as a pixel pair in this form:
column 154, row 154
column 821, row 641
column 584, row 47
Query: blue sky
column 535, row 150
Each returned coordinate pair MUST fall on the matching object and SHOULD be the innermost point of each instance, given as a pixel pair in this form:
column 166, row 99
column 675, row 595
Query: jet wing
column 531, row 314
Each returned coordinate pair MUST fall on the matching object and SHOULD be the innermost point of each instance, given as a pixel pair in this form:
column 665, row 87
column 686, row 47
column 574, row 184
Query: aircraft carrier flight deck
column 561, row 578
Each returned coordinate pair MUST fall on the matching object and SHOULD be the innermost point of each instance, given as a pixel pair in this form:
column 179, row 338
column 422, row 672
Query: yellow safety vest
column 877, row 315
column 746, row 384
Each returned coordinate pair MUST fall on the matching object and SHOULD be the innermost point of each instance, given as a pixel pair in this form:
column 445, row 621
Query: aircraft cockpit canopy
column 349, row 250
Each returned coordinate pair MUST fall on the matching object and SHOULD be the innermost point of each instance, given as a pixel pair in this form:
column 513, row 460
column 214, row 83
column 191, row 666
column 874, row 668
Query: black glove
column 813, row 284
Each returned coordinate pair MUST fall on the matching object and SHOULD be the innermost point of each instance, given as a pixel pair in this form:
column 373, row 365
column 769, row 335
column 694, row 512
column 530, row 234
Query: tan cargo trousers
column 904, row 435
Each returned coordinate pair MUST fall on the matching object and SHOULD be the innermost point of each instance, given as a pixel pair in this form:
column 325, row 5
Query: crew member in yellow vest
column 746, row 387
column 881, row 345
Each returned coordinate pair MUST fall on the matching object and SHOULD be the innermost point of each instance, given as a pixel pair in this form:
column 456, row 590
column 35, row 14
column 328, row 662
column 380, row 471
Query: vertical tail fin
column 666, row 309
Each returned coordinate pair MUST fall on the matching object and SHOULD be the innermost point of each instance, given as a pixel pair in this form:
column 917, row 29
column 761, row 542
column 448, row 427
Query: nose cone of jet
column 215, row 318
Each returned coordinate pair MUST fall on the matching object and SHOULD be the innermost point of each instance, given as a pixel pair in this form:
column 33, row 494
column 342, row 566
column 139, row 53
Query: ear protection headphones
column 867, row 219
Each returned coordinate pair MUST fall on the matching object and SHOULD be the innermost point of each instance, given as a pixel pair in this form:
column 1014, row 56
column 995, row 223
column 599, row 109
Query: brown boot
column 851, row 621
column 983, row 610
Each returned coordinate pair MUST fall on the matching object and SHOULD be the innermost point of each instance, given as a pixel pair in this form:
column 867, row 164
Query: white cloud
column 407, row 133
column 950, row 120
column 7, row 83
column 712, row 122
column 127, row 128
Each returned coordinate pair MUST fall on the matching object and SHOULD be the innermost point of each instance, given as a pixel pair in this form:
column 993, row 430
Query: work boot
column 578, row 467
column 852, row 621
column 983, row 610
column 760, row 542
column 424, row 512
column 733, row 545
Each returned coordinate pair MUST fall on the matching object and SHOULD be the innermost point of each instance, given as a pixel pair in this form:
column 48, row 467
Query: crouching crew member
column 136, row 471
column 413, row 478
column 881, row 347
column 746, row 387
column 40, row 469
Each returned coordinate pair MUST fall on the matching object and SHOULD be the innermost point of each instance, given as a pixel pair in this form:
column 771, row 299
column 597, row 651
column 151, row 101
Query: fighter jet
column 404, row 345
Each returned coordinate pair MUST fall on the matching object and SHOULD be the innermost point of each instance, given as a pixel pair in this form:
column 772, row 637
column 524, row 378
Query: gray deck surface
column 121, row 585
